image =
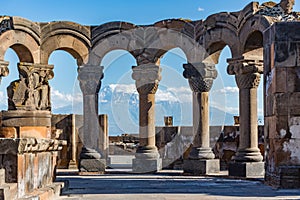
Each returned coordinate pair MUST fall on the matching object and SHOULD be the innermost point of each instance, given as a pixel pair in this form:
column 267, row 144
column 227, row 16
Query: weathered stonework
column 90, row 83
column 30, row 164
column 202, row 42
column 200, row 77
column 282, row 105
column 147, row 77
column 32, row 91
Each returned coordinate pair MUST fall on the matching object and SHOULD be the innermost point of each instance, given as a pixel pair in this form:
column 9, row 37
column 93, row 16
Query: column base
column 92, row 166
column 247, row 169
column 201, row 167
column 140, row 165
column 72, row 165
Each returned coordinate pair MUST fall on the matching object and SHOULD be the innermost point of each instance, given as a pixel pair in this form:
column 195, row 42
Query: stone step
column 51, row 192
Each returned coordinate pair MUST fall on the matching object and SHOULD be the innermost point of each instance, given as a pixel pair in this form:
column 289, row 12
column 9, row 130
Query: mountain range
column 121, row 104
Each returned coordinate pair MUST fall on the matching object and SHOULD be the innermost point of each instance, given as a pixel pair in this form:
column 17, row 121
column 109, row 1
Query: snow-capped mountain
column 121, row 104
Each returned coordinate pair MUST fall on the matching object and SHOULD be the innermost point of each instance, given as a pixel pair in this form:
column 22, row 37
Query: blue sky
column 118, row 64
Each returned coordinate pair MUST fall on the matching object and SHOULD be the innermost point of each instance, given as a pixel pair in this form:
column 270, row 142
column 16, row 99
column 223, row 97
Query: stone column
column 73, row 161
column 201, row 159
column 103, row 135
column 90, row 83
column 147, row 77
column 248, row 160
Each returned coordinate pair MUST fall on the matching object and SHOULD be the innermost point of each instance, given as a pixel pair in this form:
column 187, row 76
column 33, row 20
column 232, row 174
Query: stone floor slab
column 157, row 186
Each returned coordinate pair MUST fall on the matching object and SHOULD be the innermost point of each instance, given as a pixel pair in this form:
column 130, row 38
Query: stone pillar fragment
column 29, row 105
column 90, row 83
column 147, row 77
column 103, row 135
column 201, row 159
column 248, row 160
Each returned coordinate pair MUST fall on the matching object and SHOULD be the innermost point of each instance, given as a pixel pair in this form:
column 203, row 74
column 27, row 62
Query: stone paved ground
column 167, row 187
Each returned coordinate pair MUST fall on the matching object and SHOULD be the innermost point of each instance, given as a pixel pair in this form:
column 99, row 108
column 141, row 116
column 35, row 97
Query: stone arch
column 108, row 37
column 251, row 37
column 214, row 40
column 67, row 36
column 152, row 41
column 23, row 38
column 215, row 49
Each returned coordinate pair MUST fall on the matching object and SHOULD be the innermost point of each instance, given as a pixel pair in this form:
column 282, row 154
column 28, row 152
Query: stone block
column 17, row 118
column 289, row 177
column 201, row 167
column 294, row 104
column 34, row 132
column 92, row 165
column 269, row 106
column 280, row 104
column 285, row 54
column 279, row 82
column 140, row 165
column 246, row 169
column 292, row 80
column 276, row 127
column 8, row 132
column 2, row 176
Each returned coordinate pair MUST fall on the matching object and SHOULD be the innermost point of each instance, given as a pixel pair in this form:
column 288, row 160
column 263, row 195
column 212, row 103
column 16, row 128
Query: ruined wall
column 64, row 122
column 282, row 104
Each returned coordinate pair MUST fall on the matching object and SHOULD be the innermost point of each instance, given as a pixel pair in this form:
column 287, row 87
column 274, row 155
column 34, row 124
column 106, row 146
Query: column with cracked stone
column 201, row 159
column 147, row 77
column 247, row 162
column 90, row 157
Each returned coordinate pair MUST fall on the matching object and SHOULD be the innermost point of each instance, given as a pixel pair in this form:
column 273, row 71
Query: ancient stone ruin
column 263, row 39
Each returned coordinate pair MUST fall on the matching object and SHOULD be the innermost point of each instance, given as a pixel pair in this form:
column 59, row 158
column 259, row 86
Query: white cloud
column 59, row 99
column 124, row 88
column 183, row 94
column 200, row 9
column 227, row 90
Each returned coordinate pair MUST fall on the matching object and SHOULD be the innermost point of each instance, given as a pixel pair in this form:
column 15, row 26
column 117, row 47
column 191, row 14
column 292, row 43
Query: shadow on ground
column 151, row 184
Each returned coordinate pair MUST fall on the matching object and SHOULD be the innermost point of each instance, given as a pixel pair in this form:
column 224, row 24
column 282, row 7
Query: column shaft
column 147, row 120
column 90, row 120
column 201, row 119
column 73, row 140
column 248, row 118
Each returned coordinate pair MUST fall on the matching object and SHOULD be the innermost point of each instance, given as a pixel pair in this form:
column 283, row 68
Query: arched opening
column 173, row 99
column 224, row 93
column 119, row 100
column 23, row 53
column 224, row 106
column 253, row 49
column 66, row 99
column 65, row 91
column 174, row 96
column 15, row 54
column 12, row 57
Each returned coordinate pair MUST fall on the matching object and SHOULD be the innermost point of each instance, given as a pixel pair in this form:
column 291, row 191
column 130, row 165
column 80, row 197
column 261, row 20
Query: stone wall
column 282, row 104
column 228, row 142
column 71, row 151
column 64, row 122
column 29, row 166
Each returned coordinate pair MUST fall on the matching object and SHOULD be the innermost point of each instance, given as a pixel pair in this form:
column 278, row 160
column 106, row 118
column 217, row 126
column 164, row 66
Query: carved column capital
column 247, row 72
column 31, row 91
column 147, row 77
column 239, row 66
column 4, row 71
column 90, row 79
column 200, row 75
